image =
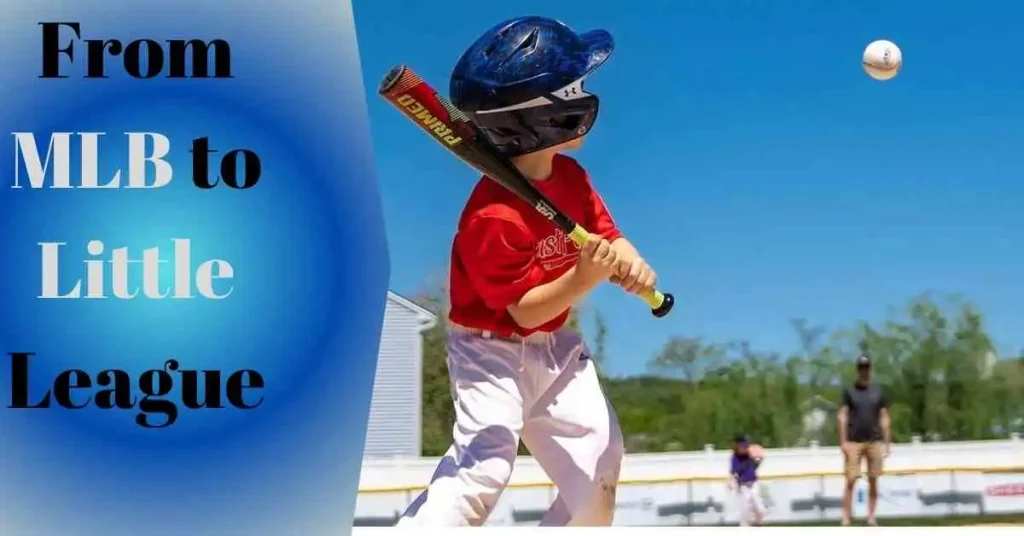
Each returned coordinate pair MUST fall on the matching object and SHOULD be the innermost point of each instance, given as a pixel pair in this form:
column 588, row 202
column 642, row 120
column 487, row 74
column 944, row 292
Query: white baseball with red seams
column 882, row 60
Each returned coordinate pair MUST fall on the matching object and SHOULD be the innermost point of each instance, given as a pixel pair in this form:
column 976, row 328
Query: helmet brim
column 599, row 47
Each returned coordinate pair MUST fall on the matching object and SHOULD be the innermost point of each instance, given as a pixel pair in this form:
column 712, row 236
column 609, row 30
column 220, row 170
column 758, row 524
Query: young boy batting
column 746, row 459
column 517, row 373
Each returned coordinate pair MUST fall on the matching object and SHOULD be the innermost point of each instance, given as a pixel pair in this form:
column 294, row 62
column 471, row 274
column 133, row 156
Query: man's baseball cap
column 863, row 361
column 742, row 440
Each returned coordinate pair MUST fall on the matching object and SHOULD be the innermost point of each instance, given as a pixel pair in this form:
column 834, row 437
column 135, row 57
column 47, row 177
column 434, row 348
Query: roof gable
column 424, row 315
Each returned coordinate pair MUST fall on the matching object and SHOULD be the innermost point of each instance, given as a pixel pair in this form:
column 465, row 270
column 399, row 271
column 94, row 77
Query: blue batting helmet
column 522, row 83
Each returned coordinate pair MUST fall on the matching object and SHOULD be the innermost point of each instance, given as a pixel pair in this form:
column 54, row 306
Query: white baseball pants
column 543, row 390
column 751, row 504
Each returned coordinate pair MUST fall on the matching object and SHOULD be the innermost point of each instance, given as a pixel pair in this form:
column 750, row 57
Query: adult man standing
column 864, row 432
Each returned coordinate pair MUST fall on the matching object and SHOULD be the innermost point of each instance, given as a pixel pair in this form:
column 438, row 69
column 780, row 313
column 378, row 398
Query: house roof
column 425, row 316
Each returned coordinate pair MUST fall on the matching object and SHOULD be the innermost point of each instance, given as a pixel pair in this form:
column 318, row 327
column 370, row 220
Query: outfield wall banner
column 787, row 499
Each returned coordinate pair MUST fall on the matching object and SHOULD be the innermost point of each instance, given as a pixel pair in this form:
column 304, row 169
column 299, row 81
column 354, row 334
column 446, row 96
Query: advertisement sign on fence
column 787, row 500
column 1006, row 490
column 1004, row 493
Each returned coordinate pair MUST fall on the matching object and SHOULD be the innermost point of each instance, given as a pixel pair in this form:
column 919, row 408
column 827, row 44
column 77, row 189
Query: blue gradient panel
column 310, row 267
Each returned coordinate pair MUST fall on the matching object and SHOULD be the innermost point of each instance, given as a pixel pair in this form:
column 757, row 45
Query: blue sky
column 758, row 169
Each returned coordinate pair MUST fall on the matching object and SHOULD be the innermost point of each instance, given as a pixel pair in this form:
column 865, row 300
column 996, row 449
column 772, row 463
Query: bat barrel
column 392, row 78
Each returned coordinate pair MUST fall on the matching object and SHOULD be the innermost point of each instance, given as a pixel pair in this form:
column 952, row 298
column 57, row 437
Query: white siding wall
column 394, row 425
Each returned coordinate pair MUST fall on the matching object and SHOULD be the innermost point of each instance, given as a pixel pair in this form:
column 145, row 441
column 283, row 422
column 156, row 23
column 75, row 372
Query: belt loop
column 485, row 334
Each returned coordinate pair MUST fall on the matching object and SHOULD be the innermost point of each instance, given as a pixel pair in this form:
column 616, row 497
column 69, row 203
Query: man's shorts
column 873, row 451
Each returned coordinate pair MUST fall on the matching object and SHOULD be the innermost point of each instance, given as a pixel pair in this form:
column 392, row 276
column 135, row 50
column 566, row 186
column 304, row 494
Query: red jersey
column 503, row 248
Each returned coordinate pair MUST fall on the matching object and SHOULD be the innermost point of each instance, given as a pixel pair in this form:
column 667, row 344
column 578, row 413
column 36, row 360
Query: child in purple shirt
column 743, row 478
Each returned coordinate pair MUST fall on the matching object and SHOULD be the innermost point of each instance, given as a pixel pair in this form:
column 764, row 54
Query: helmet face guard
column 541, row 123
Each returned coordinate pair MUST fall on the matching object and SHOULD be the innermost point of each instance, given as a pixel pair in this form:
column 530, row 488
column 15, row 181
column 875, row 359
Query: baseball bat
column 457, row 133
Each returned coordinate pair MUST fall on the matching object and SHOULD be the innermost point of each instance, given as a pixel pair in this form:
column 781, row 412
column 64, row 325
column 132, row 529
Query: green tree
column 686, row 358
column 933, row 356
column 600, row 338
column 438, row 413
column 573, row 322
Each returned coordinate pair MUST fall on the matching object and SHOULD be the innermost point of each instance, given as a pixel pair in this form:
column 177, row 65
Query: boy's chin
column 571, row 145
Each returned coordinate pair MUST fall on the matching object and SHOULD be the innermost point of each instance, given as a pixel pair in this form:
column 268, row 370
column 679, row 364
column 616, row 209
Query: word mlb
column 55, row 163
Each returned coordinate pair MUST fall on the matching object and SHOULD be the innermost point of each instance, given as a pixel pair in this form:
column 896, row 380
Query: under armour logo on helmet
column 570, row 91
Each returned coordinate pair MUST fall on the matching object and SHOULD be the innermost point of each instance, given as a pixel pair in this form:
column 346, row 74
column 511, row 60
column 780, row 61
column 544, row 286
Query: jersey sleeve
column 883, row 399
column 847, row 399
column 599, row 219
column 498, row 255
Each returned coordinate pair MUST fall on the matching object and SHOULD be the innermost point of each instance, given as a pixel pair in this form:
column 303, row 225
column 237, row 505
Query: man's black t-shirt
column 865, row 403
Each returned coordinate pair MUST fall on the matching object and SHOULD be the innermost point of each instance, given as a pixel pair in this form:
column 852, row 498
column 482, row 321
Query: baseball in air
column 882, row 60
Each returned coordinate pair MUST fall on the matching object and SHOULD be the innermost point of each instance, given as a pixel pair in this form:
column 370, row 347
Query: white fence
column 799, row 485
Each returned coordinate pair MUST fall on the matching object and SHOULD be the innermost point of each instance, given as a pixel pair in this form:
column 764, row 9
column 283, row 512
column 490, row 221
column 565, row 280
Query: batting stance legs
column 543, row 389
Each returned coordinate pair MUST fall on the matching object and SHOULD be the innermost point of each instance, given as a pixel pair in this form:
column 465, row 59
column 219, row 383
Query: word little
column 123, row 285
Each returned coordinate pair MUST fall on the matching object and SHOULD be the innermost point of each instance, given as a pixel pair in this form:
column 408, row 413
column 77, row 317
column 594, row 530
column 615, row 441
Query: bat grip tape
column 654, row 298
